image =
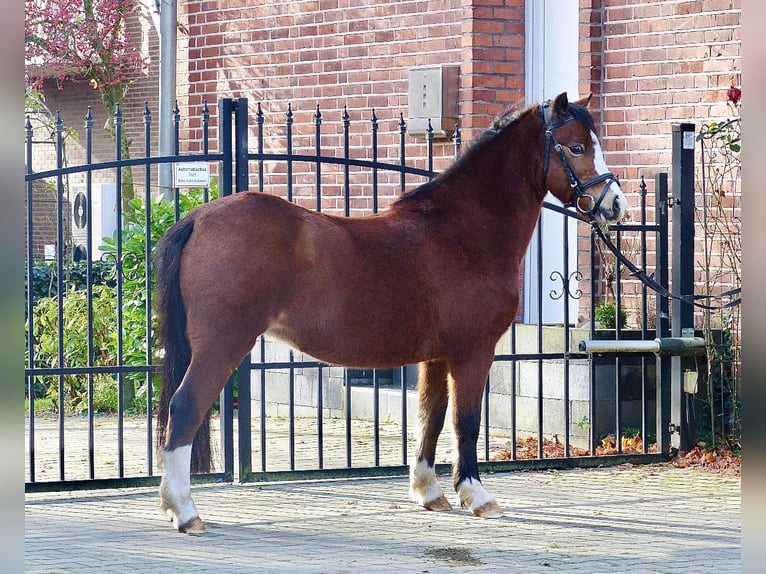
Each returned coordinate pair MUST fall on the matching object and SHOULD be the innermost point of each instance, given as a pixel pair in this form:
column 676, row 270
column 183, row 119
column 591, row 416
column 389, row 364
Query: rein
column 579, row 188
column 650, row 282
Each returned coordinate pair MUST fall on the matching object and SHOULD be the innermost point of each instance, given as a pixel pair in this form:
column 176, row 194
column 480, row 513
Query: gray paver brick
column 628, row 519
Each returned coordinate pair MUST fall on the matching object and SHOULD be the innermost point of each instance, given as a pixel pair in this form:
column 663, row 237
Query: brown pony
column 432, row 280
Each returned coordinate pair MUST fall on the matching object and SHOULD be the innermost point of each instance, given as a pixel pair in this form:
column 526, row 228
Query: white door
column 552, row 54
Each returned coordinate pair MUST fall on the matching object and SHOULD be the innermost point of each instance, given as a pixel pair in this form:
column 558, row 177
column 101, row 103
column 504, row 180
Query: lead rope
column 650, row 282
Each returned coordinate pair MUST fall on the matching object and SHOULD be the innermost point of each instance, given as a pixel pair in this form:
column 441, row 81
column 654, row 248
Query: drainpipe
column 168, row 13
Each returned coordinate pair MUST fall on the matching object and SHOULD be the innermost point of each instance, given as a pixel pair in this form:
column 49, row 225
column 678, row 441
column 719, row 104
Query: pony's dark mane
column 505, row 119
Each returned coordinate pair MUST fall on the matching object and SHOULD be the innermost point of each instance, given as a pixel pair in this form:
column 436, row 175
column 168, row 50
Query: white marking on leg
column 617, row 198
column 423, row 485
column 175, row 489
column 473, row 495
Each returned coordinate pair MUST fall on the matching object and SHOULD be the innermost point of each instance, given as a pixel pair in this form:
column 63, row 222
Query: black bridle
column 608, row 179
column 579, row 188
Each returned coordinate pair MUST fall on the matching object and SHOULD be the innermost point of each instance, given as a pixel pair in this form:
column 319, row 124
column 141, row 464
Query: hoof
column 488, row 510
column 193, row 526
column 438, row 504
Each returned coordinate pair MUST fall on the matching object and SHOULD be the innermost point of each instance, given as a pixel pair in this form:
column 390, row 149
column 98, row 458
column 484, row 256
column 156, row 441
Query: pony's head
column 574, row 169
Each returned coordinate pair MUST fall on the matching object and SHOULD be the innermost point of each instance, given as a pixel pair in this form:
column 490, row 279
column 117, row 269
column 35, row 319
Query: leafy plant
column 606, row 313
column 74, row 350
column 137, row 348
column 44, row 277
column 720, row 217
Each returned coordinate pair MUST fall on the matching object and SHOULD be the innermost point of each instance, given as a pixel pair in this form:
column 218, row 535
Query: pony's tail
column 173, row 339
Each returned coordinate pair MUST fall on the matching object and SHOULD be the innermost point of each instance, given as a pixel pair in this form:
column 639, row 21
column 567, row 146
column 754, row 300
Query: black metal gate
column 284, row 415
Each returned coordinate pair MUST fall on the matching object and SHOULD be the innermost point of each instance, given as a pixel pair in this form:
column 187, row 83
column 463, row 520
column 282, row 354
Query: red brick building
column 649, row 64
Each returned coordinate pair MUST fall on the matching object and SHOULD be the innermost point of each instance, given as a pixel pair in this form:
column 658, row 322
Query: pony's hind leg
column 466, row 383
column 202, row 383
column 432, row 397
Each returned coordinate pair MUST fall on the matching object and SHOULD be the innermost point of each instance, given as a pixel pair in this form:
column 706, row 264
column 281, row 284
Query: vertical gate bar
column 262, row 421
column 176, row 149
column 348, row 416
column 514, row 367
column 565, row 295
column 682, row 312
column 347, row 212
column 591, row 362
column 375, row 373
column 89, row 286
column 60, row 281
column 244, row 418
column 318, row 152
column 30, row 299
column 120, row 318
column 346, row 175
column 617, row 336
column 402, row 131
column 242, row 166
column 663, row 393
column 376, row 414
column 289, row 126
column 148, row 285
column 644, row 321
column 226, row 417
column 374, row 122
column 540, row 438
column 205, row 142
column 320, row 419
column 225, row 110
column 291, row 356
column 291, row 410
column 259, row 122
column 486, row 420
column 430, row 140
column 320, row 371
column 403, row 376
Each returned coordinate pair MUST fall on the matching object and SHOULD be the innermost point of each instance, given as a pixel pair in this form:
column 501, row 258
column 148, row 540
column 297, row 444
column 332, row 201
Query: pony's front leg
column 432, row 406
column 467, row 389
column 175, row 490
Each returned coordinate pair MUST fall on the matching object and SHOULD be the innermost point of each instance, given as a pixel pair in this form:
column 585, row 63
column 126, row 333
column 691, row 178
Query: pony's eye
column 577, row 149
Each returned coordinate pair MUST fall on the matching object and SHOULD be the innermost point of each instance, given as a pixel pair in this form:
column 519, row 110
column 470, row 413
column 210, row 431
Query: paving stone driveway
column 626, row 519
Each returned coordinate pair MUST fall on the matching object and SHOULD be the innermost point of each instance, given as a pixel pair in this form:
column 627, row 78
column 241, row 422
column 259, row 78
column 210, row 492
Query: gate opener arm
column 678, row 346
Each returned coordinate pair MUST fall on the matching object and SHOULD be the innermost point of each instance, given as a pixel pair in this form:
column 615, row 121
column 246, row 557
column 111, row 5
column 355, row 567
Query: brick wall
column 652, row 64
column 648, row 64
column 353, row 56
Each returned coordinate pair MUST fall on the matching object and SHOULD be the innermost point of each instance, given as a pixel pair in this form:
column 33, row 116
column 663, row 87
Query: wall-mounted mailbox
column 433, row 95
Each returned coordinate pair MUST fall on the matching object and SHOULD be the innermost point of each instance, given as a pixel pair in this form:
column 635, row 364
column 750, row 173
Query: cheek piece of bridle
column 590, row 208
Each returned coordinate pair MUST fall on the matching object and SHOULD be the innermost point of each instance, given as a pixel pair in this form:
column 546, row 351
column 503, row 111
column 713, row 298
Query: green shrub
column 134, row 315
column 605, row 314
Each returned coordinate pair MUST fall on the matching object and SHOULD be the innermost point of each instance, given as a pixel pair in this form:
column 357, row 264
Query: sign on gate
column 192, row 174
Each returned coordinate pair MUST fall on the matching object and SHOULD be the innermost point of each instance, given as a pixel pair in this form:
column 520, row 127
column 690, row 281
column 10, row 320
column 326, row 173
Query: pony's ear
column 560, row 106
column 584, row 101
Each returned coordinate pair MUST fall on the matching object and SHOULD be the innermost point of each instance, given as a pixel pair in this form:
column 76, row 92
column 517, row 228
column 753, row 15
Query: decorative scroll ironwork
column 555, row 295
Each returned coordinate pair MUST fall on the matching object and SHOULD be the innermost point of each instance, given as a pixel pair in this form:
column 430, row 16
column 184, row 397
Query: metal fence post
column 226, row 108
column 242, row 182
column 225, row 111
column 663, row 389
column 682, row 313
